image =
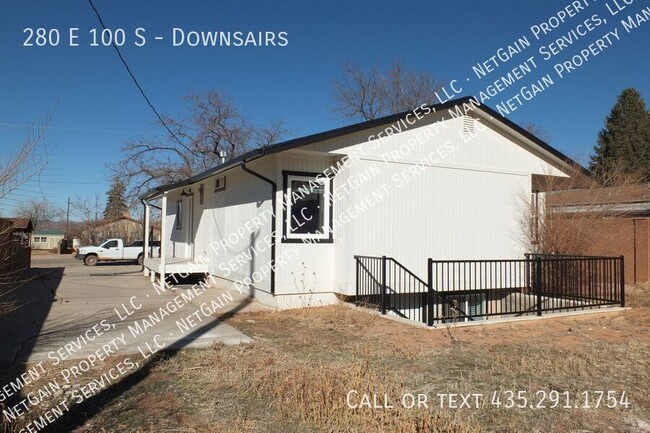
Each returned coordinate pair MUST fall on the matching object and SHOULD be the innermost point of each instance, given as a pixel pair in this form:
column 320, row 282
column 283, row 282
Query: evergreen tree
column 624, row 142
column 115, row 203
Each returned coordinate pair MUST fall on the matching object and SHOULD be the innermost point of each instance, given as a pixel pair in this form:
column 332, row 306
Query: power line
column 144, row 95
column 62, row 128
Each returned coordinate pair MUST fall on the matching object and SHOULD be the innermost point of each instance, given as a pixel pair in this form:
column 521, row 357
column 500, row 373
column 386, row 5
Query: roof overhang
column 487, row 113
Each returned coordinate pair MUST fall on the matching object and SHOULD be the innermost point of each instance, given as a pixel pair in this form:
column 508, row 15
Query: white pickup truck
column 114, row 249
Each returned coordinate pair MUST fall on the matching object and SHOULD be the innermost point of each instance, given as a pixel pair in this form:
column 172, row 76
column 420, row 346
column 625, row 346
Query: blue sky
column 96, row 107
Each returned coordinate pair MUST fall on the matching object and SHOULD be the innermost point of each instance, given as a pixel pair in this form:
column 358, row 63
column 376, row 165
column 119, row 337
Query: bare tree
column 571, row 215
column 41, row 212
column 366, row 95
column 213, row 125
column 538, row 131
column 28, row 161
column 88, row 211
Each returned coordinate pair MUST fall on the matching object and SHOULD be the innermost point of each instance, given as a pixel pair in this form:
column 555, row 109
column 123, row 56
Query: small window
column 220, row 183
column 201, row 194
column 179, row 214
column 110, row 244
column 460, row 308
column 308, row 208
column 40, row 239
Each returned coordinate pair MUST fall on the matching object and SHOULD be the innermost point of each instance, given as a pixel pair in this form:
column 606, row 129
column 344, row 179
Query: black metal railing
column 466, row 290
column 385, row 284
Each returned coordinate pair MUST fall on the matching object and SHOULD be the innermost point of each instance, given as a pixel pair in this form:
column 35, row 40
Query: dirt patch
column 298, row 373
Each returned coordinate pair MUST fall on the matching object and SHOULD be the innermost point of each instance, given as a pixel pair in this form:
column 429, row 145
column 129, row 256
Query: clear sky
column 96, row 107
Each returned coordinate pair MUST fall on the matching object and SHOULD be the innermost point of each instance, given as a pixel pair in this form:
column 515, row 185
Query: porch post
column 163, row 240
column 147, row 216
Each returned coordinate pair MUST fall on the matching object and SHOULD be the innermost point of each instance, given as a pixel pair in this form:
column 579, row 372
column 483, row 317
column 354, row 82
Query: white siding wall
column 309, row 266
column 226, row 215
column 430, row 191
column 463, row 201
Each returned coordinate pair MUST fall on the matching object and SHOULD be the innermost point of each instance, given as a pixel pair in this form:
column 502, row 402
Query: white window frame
column 326, row 228
column 220, row 183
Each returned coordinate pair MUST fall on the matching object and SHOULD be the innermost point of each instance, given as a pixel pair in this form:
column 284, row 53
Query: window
column 220, row 183
column 308, row 208
column 110, row 244
column 179, row 214
column 459, row 307
column 22, row 238
column 201, row 194
column 40, row 239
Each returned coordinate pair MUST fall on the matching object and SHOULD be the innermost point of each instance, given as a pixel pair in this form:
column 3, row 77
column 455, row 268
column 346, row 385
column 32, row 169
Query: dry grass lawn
column 297, row 373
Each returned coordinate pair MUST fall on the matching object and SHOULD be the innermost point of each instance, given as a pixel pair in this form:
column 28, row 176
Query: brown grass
column 296, row 374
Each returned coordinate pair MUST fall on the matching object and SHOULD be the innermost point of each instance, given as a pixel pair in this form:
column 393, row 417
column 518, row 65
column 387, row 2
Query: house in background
column 15, row 253
column 618, row 220
column 46, row 239
column 285, row 222
column 123, row 227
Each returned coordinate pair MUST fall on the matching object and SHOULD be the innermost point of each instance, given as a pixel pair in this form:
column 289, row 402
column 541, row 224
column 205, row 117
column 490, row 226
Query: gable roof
column 116, row 219
column 23, row 224
column 338, row 132
column 48, row 232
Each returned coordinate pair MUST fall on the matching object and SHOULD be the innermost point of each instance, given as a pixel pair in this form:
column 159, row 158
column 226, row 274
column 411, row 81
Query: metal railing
column 385, row 284
column 466, row 290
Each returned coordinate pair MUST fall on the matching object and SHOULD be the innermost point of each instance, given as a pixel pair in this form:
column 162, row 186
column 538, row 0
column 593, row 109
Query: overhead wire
column 135, row 81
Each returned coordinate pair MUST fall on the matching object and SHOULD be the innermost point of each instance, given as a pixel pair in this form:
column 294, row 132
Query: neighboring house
column 15, row 254
column 445, row 181
column 618, row 219
column 123, row 227
column 46, row 239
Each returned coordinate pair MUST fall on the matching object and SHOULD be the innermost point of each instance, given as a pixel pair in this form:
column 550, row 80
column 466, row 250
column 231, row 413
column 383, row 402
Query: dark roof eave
column 349, row 129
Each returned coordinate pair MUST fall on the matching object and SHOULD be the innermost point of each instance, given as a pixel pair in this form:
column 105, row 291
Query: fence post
column 622, row 273
column 430, row 292
column 356, row 261
column 538, row 284
column 383, row 284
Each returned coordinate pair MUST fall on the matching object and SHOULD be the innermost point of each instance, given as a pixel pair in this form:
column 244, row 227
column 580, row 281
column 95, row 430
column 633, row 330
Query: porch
column 175, row 265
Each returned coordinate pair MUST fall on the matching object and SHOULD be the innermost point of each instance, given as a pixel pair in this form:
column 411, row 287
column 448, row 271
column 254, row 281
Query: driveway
column 71, row 311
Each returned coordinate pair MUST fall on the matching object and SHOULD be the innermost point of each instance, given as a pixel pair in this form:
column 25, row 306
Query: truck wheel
column 140, row 259
column 91, row 260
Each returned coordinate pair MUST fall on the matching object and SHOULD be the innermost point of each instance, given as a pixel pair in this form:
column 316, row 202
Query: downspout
column 274, row 190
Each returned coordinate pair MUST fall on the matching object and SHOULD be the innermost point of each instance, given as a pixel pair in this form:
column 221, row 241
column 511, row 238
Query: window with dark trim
column 179, row 214
column 219, row 183
column 308, row 207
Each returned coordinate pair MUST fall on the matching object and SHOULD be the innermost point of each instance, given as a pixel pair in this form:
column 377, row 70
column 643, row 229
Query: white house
column 447, row 181
column 46, row 239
